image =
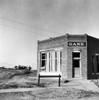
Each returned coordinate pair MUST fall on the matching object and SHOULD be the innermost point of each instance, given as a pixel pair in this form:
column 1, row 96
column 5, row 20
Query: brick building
column 74, row 56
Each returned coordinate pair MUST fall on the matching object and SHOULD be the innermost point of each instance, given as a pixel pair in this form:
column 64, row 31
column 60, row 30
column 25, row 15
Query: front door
column 76, row 64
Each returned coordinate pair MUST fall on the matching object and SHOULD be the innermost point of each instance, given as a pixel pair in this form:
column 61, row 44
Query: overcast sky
column 23, row 22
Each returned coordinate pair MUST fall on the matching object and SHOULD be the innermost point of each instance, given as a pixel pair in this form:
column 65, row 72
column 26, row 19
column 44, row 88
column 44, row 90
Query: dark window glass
column 60, row 54
column 55, row 64
column 60, row 62
column 55, row 54
column 43, row 63
column 97, row 64
column 92, row 64
column 76, row 54
column 76, row 63
column 43, row 55
column 60, row 58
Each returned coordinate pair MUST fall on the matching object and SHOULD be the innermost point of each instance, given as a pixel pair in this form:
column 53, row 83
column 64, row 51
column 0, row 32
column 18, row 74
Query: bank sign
column 81, row 44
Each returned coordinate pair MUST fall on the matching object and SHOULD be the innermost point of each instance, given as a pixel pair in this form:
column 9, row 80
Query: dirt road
column 49, row 94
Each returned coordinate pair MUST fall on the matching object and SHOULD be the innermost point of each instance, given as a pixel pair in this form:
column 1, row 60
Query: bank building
column 73, row 56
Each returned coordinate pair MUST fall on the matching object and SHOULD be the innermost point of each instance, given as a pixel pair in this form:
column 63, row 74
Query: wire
column 27, row 25
column 19, row 28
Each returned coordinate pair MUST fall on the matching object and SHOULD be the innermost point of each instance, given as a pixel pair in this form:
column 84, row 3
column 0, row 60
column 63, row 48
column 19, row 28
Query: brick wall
column 83, row 51
column 51, row 44
column 93, row 47
column 62, row 41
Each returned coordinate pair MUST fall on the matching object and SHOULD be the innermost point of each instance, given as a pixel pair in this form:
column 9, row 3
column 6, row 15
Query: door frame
column 76, row 58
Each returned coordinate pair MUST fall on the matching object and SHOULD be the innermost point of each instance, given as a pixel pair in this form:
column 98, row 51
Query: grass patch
column 10, row 73
column 11, row 78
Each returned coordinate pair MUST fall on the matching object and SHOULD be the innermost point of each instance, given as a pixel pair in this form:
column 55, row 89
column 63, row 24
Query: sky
column 24, row 22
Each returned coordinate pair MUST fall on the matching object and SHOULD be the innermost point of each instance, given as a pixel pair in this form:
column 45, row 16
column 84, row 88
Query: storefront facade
column 67, row 54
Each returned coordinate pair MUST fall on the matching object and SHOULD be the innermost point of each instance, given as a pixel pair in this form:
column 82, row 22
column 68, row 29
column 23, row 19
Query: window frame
column 53, row 63
column 43, row 68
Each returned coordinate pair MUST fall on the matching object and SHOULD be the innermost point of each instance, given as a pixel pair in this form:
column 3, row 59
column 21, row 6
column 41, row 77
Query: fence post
column 59, row 80
column 38, row 79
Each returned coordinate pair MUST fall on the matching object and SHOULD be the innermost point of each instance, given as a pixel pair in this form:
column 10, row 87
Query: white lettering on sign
column 76, row 44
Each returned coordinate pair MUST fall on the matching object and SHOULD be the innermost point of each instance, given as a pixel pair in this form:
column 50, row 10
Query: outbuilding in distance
column 74, row 56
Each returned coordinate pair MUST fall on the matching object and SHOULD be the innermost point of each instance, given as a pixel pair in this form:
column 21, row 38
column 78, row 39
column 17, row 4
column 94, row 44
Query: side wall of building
column 52, row 43
column 93, row 48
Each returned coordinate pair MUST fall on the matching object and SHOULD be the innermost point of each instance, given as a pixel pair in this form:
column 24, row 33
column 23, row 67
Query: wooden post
column 59, row 80
column 38, row 79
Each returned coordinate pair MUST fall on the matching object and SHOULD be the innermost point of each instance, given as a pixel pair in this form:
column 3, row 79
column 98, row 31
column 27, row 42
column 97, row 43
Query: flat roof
column 66, row 35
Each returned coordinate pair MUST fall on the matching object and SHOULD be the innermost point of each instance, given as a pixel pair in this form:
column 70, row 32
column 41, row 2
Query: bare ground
column 51, row 94
column 46, row 90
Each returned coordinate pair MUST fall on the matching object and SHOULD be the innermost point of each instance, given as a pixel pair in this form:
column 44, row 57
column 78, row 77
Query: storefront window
column 51, row 61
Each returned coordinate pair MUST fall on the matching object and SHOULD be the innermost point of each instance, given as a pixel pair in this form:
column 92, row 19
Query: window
column 97, row 60
column 95, row 63
column 43, row 61
column 60, row 59
column 76, row 54
column 55, row 61
column 76, row 63
column 51, row 61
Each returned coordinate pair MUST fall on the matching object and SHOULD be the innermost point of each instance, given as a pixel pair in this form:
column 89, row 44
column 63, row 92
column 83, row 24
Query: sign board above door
column 81, row 44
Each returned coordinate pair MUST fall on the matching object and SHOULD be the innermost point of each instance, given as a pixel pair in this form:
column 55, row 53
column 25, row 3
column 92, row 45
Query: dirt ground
column 48, row 89
column 51, row 94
